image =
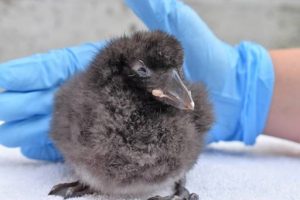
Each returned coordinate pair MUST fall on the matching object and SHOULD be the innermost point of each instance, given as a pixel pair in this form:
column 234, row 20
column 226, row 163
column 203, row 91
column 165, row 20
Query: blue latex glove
column 26, row 104
column 240, row 79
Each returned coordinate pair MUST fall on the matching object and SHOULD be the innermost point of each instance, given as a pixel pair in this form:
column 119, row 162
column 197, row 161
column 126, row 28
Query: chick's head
column 152, row 62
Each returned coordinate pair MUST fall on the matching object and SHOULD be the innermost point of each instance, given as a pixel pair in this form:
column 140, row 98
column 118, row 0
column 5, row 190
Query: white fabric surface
column 270, row 170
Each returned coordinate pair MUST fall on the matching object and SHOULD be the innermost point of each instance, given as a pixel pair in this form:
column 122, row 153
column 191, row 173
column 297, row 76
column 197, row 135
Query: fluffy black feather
column 119, row 138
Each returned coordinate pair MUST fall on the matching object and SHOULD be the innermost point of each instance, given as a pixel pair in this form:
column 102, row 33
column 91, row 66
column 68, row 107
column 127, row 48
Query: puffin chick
column 129, row 125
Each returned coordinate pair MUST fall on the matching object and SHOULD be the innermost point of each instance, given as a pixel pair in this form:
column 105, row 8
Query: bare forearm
column 284, row 116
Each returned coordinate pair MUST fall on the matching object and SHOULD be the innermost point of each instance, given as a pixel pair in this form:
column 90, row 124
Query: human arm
column 284, row 117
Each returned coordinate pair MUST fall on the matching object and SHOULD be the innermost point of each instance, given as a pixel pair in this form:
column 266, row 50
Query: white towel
column 270, row 170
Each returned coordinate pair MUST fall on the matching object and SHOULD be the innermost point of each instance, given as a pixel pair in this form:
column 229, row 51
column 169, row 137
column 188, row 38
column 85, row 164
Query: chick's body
column 118, row 138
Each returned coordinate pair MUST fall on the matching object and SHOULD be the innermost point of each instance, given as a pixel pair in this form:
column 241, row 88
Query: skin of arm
column 284, row 115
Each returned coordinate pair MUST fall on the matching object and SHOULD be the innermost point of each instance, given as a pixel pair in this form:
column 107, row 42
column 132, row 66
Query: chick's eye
column 141, row 69
column 143, row 72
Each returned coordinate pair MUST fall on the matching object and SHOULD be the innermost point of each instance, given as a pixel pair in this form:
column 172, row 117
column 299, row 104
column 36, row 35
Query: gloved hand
column 26, row 104
column 239, row 79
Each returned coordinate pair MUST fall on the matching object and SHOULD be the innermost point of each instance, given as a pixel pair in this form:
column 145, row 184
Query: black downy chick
column 129, row 125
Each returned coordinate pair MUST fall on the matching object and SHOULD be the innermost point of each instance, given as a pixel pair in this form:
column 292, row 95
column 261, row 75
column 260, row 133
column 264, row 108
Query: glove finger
column 25, row 132
column 17, row 106
column 47, row 152
column 172, row 16
column 43, row 71
column 203, row 50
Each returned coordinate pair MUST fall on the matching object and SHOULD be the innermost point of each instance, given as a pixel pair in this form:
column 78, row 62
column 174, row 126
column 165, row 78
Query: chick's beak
column 175, row 93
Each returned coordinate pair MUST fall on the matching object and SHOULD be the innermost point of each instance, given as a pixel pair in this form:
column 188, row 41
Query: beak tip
column 191, row 106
